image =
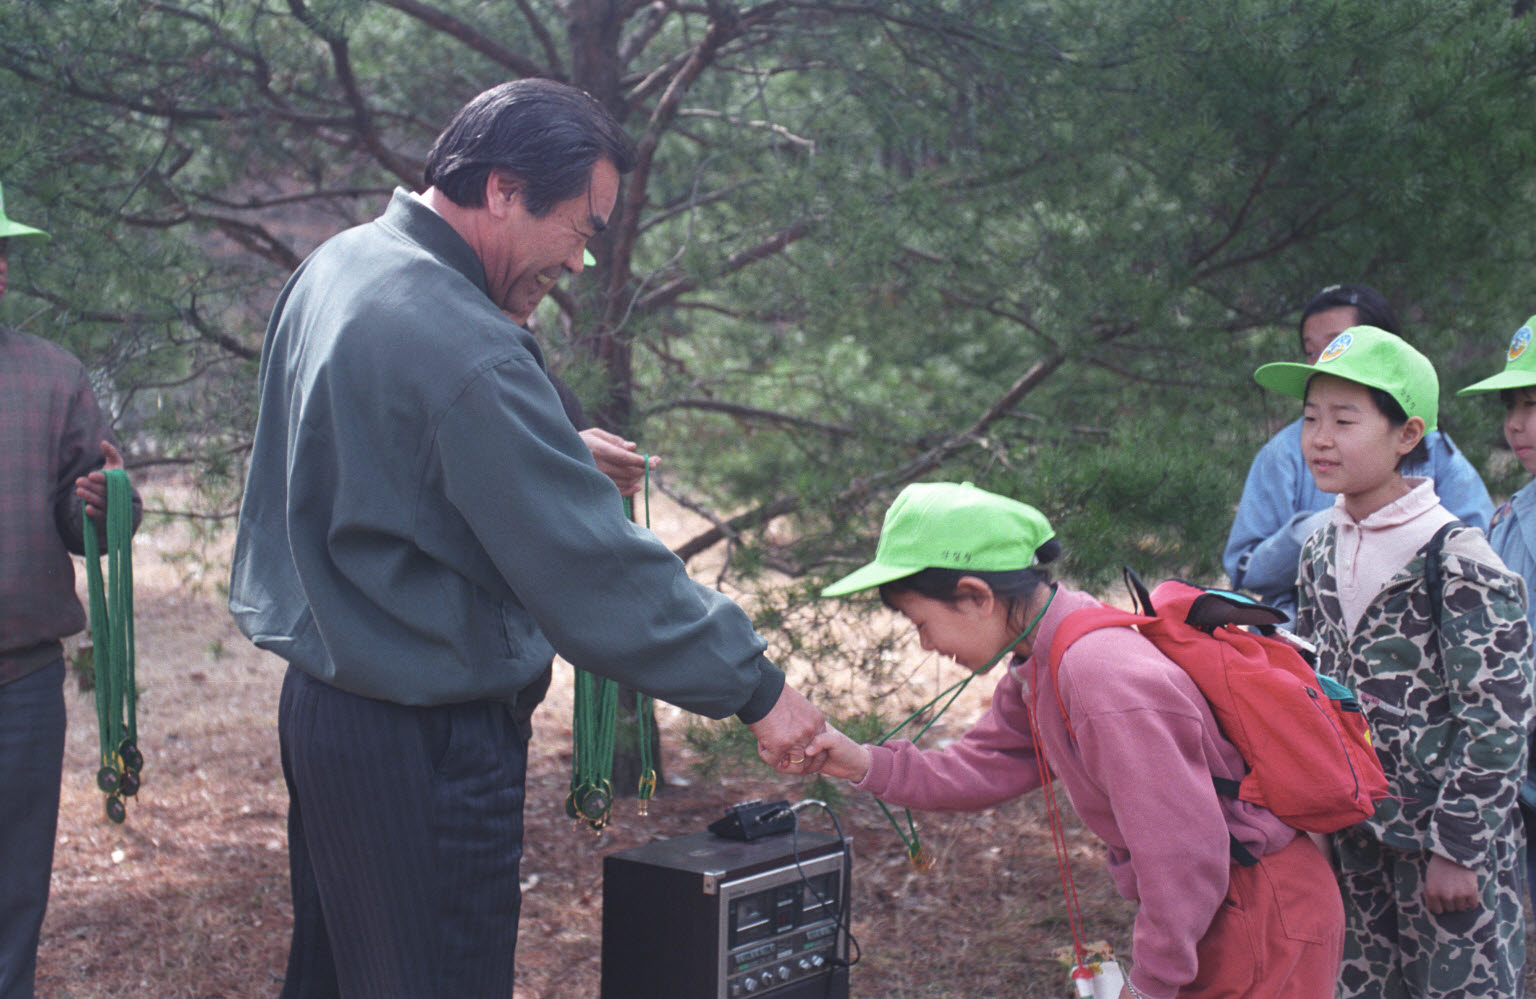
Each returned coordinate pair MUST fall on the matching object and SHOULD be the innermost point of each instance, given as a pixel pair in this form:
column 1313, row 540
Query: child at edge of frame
column 1127, row 734
column 1415, row 613
column 1513, row 531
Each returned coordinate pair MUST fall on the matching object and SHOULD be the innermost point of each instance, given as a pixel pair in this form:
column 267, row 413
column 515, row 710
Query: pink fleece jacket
column 1138, row 775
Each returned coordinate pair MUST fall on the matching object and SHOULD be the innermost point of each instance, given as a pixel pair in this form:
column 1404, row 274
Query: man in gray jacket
column 423, row 529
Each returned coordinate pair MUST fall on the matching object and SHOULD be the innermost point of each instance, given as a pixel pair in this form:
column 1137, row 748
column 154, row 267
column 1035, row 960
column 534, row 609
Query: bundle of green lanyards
column 594, row 725
column 112, row 636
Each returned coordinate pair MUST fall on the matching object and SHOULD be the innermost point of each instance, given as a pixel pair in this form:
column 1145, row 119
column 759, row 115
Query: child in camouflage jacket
column 1431, row 883
column 1513, row 531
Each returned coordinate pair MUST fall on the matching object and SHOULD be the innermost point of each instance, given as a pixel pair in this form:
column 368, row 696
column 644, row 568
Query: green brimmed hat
column 1519, row 365
column 15, row 230
column 1373, row 358
column 942, row 525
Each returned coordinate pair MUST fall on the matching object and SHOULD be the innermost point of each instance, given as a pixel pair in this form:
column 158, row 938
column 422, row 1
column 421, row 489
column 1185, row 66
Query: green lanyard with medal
column 921, row 860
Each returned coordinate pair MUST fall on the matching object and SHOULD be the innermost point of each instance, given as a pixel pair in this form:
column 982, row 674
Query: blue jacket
column 1513, row 537
column 1281, row 503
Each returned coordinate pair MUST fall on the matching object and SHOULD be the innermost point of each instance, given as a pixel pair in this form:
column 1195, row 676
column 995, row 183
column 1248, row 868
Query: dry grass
column 188, row 898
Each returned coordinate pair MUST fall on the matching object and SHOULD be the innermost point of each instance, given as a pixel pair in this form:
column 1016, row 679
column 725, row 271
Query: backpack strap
column 1074, row 626
column 1139, row 593
column 1079, row 623
column 1434, row 572
column 1434, row 581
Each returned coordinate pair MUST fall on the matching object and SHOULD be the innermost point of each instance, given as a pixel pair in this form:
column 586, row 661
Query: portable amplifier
column 705, row 917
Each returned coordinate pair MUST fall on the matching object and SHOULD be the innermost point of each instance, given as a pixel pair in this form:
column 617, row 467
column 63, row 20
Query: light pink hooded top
column 1138, row 775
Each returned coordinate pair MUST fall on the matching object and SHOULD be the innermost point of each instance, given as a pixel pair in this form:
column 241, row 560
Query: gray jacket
column 422, row 524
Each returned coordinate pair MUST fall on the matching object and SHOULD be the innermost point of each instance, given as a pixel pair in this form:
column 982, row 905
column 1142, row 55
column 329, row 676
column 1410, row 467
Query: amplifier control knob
column 817, row 960
column 784, row 972
column 750, row 984
column 805, row 964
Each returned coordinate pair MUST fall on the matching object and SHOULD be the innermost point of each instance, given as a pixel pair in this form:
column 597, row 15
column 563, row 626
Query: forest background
column 1040, row 245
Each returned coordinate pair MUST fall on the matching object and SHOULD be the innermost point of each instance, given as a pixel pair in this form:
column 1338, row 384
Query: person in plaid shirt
column 54, row 447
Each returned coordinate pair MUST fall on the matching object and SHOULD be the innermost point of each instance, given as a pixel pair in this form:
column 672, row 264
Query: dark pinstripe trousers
column 32, row 760
column 405, row 832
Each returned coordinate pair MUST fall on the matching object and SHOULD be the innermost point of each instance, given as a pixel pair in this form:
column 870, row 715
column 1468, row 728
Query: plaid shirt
column 50, row 434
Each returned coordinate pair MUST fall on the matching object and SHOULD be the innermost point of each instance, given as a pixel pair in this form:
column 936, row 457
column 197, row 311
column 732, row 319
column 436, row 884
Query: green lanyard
column 594, row 725
column 112, row 640
column 909, row 838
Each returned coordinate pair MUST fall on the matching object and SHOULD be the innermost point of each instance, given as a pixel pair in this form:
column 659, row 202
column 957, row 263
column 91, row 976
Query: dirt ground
column 188, row 899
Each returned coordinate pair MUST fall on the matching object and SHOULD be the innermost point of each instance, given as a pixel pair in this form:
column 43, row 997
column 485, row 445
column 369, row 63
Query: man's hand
column 1449, row 887
column 785, row 732
column 618, row 459
column 92, row 488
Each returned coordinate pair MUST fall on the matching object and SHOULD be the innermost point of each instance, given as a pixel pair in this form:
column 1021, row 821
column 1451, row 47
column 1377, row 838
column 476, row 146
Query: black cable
column 843, row 915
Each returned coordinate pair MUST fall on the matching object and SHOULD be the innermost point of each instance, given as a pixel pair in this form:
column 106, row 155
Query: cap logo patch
column 1520, row 341
column 1339, row 345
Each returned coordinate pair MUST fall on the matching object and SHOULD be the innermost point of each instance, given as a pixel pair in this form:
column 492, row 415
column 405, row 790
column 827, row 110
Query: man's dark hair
column 547, row 134
column 1371, row 307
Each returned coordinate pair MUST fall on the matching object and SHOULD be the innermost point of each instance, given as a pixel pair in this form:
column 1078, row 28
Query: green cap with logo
column 15, row 230
column 1373, row 358
column 944, row 525
column 1519, row 365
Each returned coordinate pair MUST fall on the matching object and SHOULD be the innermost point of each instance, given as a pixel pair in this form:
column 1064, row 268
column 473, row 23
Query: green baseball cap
column 944, row 525
column 1373, row 358
column 1519, row 365
column 15, row 230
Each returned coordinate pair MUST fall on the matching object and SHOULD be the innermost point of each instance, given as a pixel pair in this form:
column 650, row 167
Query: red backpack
column 1302, row 736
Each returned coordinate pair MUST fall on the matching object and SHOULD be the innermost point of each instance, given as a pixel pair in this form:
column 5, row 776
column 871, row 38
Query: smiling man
column 423, row 529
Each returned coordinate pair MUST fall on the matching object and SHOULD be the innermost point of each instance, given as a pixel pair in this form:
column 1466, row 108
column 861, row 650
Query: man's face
column 1321, row 327
column 526, row 255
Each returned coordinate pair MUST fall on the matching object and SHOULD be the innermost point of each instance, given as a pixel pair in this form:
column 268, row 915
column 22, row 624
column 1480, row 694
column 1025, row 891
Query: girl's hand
column 843, row 757
column 1449, row 887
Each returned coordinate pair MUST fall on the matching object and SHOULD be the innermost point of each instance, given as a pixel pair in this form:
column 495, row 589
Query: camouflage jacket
column 1449, row 718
